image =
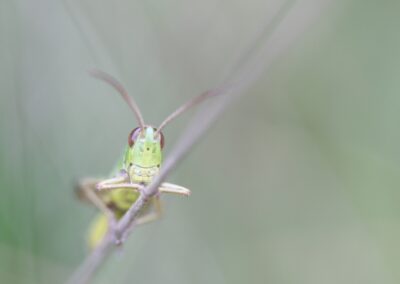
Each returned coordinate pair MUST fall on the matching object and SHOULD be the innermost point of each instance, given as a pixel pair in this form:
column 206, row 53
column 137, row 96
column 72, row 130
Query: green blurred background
column 296, row 183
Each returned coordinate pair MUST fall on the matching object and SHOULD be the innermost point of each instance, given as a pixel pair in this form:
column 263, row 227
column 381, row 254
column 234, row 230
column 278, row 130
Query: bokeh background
column 298, row 182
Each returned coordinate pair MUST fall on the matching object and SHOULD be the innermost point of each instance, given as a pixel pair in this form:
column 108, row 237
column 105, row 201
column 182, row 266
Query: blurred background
column 296, row 183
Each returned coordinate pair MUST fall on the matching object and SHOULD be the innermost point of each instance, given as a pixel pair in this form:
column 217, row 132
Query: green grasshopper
column 140, row 163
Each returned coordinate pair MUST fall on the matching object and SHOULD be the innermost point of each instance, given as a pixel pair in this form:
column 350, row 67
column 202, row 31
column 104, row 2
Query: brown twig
column 280, row 35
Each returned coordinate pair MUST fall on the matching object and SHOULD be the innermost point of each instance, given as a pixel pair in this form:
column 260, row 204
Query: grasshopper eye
column 133, row 136
column 161, row 138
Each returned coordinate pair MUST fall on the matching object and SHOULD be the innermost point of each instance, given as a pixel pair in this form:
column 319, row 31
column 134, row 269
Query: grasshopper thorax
column 144, row 154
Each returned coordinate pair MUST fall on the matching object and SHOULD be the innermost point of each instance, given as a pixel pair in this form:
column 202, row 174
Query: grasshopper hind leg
column 153, row 215
column 86, row 190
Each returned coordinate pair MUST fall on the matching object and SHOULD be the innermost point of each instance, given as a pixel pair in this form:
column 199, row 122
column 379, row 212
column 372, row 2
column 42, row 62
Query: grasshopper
column 140, row 163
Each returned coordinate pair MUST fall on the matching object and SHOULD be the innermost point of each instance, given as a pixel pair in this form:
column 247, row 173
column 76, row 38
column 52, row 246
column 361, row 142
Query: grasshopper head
column 143, row 156
column 144, row 153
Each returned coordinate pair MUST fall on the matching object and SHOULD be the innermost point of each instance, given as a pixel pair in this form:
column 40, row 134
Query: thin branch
column 281, row 35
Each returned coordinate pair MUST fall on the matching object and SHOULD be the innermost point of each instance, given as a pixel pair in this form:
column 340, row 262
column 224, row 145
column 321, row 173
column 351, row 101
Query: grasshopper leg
column 106, row 186
column 173, row 188
column 89, row 187
column 121, row 182
column 165, row 187
column 123, row 177
column 148, row 217
column 151, row 216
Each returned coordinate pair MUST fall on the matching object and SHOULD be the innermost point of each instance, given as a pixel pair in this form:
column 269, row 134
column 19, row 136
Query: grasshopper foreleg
column 173, row 188
column 164, row 187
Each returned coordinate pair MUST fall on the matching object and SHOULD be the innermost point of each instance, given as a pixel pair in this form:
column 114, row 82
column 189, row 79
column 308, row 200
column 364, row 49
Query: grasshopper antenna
column 188, row 105
column 118, row 86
